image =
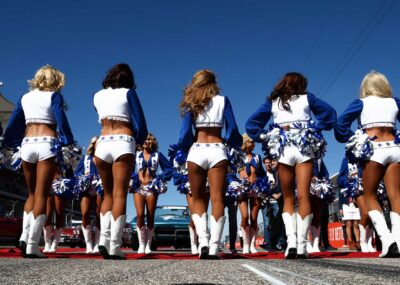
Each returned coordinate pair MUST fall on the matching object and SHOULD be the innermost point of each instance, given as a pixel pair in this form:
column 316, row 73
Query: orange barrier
column 335, row 234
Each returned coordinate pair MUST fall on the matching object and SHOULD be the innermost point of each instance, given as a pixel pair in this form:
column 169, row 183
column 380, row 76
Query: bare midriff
column 40, row 130
column 382, row 134
column 114, row 127
column 147, row 177
column 253, row 175
column 209, row 135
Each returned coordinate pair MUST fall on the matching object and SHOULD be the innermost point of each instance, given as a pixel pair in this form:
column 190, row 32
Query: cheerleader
column 87, row 180
column 376, row 146
column 203, row 108
column 295, row 141
column 151, row 184
column 251, row 201
column 123, row 126
column 38, row 115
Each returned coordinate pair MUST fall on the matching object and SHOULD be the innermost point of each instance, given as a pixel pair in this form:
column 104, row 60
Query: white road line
column 315, row 281
column 264, row 275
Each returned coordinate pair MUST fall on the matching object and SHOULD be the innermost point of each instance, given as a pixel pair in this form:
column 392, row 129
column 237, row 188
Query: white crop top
column 37, row 107
column 213, row 114
column 112, row 104
column 378, row 112
column 299, row 111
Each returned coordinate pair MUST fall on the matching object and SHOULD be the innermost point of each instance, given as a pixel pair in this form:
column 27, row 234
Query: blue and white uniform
column 289, row 139
column 87, row 177
column 217, row 114
column 119, row 104
column 371, row 111
column 321, row 185
column 37, row 106
column 159, row 183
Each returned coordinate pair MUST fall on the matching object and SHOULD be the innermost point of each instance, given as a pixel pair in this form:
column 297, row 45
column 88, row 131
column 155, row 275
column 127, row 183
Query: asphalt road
column 311, row 271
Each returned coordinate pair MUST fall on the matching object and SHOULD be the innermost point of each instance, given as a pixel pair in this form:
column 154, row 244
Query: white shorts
column 207, row 155
column 34, row 149
column 291, row 156
column 351, row 213
column 144, row 191
column 385, row 152
column 110, row 148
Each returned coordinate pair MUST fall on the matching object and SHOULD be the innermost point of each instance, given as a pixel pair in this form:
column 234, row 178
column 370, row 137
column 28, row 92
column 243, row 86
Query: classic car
column 170, row 228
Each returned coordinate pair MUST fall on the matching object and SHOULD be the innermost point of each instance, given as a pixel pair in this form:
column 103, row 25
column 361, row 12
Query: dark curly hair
column 119, row 76
column 293, row 83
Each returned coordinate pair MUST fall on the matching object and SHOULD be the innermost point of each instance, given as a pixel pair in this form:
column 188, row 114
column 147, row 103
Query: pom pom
column 134, row 183
column 236, row 158
column 98, row 185
column 63, row 188
column 261, row 188
column 274, row 141
column 158, row 186
column 323, row 188
column 67, row 157
column 359, row 147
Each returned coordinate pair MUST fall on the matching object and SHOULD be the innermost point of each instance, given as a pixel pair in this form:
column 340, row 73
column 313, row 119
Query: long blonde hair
column 92, row 145
column 198, row 94
column 375, row 84
column 47, row 78
column 248, row 143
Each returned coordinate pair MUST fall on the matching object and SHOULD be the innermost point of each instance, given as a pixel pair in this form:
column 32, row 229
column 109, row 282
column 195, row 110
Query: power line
column 374, row 22
column 322, row 30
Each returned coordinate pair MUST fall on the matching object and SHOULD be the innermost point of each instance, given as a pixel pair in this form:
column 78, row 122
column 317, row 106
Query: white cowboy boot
column 87, row 234
column 141, row 232
column 200, row 223
column 56, row 239
column 246, row 239
column 315, row 233
column 216, row 228
column 395, row 220
column 291, row 234
column 193, row 241
column 389, row 245
column 149, row 239
column 47, row 235
column 363, row 238
column 105, row 234
column 35, row 231
column 96, row 239
column 117, row 229
column 303, row 226
column 253, row 236
column 23, row 240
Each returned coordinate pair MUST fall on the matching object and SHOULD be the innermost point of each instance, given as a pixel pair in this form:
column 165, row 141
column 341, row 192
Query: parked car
column 72, row 235
column 10, row 226
column 170, row 228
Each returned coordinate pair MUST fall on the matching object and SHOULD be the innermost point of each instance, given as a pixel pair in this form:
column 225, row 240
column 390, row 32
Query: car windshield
column 171, row 211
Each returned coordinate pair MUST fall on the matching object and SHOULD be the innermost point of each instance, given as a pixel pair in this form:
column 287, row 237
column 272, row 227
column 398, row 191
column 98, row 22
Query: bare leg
column 304, row 172
column 121, row 170
column 255, row 205
column 44, row 178
column 197, row 180
column 99, row 201
column 151, row 203
column 371, row 176
column 217, row 181
column 356, row 231
column 85, row 210
column 49, row 210
column 392, row 183
column 349, row 232
column 139, row 201
column 244, row 212
column 30, row 179
column 361, row 203
column 286, row 178
column 105, row 171
column 59, row 207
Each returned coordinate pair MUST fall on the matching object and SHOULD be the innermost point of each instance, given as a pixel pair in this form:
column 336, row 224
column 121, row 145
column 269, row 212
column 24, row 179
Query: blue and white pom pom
column 158, row 186
column 134, row 183
column 397, row 137
column 82, row 184
column 234, row 187
column 63, row 188
column 359, row 147
column 323, row 189
column 261, row 188
column 274, row 141
column 308, row 139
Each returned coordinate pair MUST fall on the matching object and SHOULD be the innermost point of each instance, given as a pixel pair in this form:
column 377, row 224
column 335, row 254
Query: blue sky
column 249, row 44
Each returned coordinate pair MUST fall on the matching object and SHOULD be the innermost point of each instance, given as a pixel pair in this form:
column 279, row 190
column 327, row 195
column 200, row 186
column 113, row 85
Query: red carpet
column 80, row 253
